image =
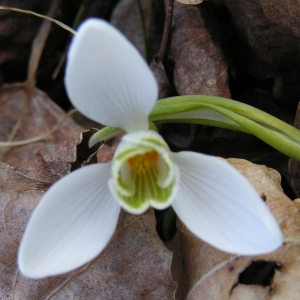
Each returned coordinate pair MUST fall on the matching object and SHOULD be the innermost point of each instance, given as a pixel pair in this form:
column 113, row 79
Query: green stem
column 178, row 105
column 273, row 138
column 81, row 13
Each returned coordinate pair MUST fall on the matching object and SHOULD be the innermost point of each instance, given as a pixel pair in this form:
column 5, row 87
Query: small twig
column 92, row 155
column 40, row 16
column 39, row 44
column 167, row 26
column 60, row 63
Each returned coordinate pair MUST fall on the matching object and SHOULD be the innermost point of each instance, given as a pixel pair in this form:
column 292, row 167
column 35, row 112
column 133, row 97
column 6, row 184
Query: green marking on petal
column 143, row 172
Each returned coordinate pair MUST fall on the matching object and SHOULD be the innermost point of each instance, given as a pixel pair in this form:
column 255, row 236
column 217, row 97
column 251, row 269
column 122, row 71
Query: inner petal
column 143, row 173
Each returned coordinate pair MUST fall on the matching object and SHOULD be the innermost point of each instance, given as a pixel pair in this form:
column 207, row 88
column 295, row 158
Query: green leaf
column 220, row 112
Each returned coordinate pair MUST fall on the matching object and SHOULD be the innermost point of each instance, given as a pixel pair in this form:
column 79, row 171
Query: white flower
column 109, row 82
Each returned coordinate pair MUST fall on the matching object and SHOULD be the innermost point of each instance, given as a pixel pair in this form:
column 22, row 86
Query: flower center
column 143, row 162
column 143, row 172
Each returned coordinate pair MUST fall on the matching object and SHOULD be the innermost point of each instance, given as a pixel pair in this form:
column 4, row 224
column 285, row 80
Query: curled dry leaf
column 207, row 273
column 25, row 115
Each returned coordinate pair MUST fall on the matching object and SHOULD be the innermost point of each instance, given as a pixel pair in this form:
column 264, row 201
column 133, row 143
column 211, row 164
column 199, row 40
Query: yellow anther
column 143, row 162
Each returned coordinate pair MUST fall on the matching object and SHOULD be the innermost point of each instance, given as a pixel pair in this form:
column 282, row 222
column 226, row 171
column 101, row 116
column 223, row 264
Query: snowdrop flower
column 109, row 82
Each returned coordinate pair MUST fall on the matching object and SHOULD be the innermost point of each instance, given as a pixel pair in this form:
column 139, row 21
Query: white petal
column 71, row 225
column 107, row 79
column 221, row 207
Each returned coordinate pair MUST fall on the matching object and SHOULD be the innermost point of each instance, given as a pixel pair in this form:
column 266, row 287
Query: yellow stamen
column 143, row 162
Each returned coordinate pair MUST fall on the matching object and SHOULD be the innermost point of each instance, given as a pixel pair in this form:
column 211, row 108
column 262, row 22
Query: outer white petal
column 221, row 207
column 71, row 225
column 107, row 79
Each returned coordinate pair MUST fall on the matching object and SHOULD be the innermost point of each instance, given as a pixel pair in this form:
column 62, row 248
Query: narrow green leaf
column 104, row 134
column 165, row 108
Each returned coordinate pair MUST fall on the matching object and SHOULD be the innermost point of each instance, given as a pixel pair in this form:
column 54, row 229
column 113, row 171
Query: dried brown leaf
column 13, row 180
column 248, row 292
column 24, row 116
column 270, row 33
column 200, row 67
column 207, row 273
column 50, row 165
column 271, row 28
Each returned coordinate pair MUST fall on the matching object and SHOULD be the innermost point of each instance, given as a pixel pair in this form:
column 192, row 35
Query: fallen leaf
column 271, row 29
column 200, row 66
column 52, row 164
column 207, row 273
column 25, row 116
